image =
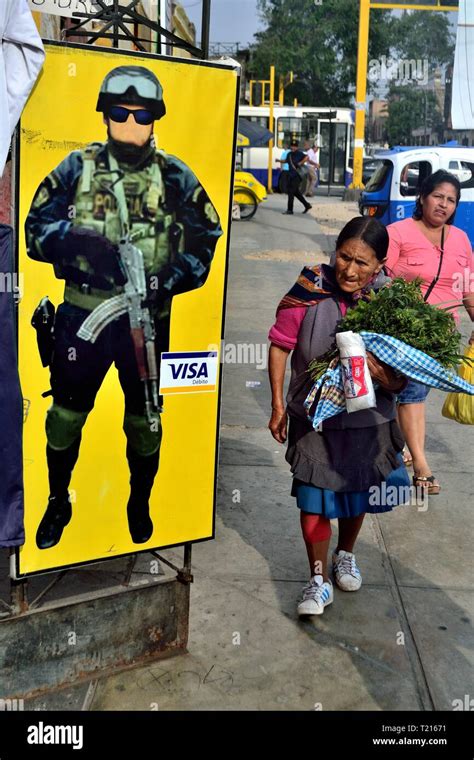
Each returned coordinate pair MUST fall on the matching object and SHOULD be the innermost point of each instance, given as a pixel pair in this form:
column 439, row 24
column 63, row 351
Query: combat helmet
column 132, row 85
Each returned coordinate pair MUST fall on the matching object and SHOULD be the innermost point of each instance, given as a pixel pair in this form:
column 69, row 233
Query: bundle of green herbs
column 398, row 310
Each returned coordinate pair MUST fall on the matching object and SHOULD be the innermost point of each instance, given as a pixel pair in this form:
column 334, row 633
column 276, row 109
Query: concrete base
column 89, row 636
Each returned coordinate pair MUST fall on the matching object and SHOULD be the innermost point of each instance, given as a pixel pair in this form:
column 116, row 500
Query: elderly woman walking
column 333, row 469
column 430, row 247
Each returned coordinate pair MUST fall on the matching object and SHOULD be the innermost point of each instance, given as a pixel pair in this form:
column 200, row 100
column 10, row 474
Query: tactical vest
column 96, row 206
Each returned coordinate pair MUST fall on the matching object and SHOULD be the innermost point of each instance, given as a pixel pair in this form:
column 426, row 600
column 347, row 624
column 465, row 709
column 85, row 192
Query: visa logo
column 189, row 371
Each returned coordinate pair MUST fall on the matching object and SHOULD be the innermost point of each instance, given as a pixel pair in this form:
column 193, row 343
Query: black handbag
column 298, row 169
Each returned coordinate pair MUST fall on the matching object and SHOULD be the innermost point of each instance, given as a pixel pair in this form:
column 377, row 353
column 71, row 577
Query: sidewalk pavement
column 404, row 641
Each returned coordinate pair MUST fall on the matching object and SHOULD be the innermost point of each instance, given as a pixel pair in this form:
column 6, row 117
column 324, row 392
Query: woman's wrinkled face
column 439, row 205
column 356, row 264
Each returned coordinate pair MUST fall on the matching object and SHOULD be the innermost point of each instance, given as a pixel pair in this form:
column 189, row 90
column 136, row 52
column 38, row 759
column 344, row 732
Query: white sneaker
column 345, row 571
column 316, row 596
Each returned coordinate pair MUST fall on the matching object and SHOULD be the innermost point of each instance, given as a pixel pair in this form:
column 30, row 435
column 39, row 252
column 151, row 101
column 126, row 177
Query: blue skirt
column 390, row 493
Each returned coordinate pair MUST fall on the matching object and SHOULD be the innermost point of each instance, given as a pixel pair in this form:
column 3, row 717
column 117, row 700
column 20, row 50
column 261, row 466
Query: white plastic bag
column 358, row 386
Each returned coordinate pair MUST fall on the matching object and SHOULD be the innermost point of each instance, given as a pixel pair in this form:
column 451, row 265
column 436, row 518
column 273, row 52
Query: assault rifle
column 142, row 329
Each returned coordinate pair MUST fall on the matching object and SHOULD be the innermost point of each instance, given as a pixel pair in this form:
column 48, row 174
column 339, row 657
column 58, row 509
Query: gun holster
column 43, row 322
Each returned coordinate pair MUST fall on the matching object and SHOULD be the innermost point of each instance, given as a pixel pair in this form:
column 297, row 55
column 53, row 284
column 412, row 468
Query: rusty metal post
column 19, row 596
column 184, row 574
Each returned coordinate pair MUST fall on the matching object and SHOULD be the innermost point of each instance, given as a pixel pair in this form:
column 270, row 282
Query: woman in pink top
column 429, row 246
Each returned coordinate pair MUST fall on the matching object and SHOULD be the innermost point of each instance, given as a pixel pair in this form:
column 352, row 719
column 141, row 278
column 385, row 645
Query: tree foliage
column 410, row 108
column 423, row 35
column 318, row 42
column 427, row 38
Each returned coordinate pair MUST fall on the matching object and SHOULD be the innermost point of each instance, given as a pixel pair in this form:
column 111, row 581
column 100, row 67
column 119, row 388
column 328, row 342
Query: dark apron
column 11, row 405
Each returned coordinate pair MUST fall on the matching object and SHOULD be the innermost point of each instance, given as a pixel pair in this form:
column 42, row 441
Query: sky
column 231, row 20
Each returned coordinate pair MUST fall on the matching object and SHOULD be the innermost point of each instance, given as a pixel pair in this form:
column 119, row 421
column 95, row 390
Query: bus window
column 340, row 154
column 412, row 176
column 263, row 121
column 333, row 139
column 289, row 128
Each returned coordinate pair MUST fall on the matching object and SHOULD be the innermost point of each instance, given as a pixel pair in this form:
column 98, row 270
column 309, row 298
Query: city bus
column 333, row 128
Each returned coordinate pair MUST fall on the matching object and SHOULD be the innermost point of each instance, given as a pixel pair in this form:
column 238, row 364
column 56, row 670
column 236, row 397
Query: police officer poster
column 125, row 167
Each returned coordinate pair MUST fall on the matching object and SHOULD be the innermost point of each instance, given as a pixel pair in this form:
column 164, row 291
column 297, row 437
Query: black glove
column 100, row 252
column 169, row 281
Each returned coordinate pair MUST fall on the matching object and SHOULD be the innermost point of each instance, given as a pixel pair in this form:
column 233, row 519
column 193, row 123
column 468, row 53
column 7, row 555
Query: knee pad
column 315, row 528
column 63, row 426
column 144, row 437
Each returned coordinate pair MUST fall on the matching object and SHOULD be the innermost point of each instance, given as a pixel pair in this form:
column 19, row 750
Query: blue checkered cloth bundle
column 407, row 360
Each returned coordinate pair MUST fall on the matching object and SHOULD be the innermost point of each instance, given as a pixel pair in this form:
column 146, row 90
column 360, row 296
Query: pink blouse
column 284, row 332
column 410, row 255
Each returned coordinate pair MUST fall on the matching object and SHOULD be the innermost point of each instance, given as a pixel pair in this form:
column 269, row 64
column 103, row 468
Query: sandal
column 427, row 483
column 407, row 458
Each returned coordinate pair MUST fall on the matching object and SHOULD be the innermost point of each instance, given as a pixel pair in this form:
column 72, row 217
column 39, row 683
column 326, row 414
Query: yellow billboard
column 124, row 175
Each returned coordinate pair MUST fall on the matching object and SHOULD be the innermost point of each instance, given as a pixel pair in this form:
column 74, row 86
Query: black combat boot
column 142, row 476
column 58, row 514
column 59, row 511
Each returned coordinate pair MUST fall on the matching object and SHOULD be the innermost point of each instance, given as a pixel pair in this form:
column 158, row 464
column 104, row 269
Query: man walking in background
column 296, row 158
column 313, row 169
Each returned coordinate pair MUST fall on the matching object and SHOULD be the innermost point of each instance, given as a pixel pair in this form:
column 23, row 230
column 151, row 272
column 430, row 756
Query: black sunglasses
column 121, row 114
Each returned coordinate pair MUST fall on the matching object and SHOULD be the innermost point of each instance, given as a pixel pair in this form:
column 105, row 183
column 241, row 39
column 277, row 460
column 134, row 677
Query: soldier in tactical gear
column 75, row 223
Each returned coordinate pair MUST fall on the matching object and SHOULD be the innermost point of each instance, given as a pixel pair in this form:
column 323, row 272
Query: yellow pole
column 251, row 81
column 270, row 127
column 416, row 7
column 362, row 60
column 361, row 91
